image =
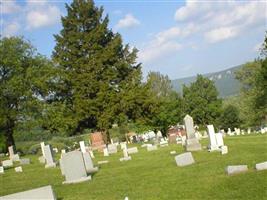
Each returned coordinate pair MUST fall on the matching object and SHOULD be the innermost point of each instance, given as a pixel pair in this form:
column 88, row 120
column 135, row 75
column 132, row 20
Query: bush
column 2, row 144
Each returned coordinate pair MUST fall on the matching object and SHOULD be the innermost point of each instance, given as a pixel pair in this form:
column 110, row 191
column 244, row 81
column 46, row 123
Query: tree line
column 93, row 81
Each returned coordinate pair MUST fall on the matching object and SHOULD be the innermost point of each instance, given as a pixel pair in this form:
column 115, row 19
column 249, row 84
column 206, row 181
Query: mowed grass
column 154, row 175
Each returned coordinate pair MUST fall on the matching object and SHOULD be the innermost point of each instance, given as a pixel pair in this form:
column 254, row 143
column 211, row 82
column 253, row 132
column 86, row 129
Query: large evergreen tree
column 201, row 101
column 100, row 78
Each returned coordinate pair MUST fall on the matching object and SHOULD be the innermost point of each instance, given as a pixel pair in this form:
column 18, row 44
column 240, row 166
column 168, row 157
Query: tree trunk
column 9, row 138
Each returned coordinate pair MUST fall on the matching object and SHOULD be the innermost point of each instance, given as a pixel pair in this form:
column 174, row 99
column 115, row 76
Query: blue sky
column 177, row 38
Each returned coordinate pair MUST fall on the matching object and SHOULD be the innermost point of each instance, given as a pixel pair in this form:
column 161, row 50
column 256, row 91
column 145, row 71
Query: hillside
column 225, row 82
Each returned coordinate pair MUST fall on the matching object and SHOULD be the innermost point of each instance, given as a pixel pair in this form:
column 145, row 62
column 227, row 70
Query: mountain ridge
column 225, row 81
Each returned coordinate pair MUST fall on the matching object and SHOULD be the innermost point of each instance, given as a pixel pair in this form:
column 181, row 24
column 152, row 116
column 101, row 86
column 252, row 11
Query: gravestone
column 125, row 156
column 235, row 169
column 2, row 171
column 219, row 139
column 183, row 139
column 18, row 169
column 102, row 162
column 132, row 150
column 163, row 143
column 237, row 131
column 74, row 168
column 24, row 161
column 261, row 166
column 224, row 150
column 192, row 143
column 11, row 152
column 112, row 148
column 184, row 159
column 152, row 148
column 106, row 152
column 55, row 150
column 249, row 130
column 42, row 148
column 15, row 158
column 61, row 166
column 97, row 141
column 172, row 152
column 82, row 146
column 48, row 154
column 41, row 159
column 213, row 143
column 44, row 193
column 7, row 163
column 123, row 145
column 89, row 163
column 242, row 132
column 91, row 154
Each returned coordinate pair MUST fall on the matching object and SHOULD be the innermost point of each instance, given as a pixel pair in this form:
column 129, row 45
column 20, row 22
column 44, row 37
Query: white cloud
column 9, row 7
column 11, row 29
column 43, row 17
column 128, row 21
column 218, row 21
column 220, row 34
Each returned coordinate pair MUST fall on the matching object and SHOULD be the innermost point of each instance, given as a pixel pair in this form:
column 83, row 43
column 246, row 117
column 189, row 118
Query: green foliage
column 24, row 80
column 100, row 80
column 230, row 118
column 201, row 101
column 2, row 144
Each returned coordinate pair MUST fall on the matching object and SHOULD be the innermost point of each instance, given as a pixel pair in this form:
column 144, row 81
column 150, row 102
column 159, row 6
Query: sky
column 175, row 38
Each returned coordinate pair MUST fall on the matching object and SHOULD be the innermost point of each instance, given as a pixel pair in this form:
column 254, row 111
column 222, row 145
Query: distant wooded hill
column 225, row 82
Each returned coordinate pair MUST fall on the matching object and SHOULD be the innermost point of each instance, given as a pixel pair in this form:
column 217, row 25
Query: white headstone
column 91, row 154
column 82, row 146
column 42, row 148
column 234, row 169
column 7, row 163
column 172, row 152
column 261, row 166
column 224, row 150
column 49, row 157
column 2, row 171
column 213, row 143
column 123, row 145
column 249, row 130
column 219, row 139
column 11, row 151
column 102, row 162
column 184, row 159
column 132, row 150
column 112, row 148
column 18, row 169
column 105, row 150
column 152, row 148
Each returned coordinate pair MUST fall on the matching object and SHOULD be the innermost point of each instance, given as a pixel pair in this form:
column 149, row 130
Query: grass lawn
column 154, row 175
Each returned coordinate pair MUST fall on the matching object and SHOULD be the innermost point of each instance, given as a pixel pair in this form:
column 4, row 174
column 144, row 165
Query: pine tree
column 97, row 71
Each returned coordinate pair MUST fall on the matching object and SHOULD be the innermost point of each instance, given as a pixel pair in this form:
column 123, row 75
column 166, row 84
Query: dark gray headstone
column 25, row 161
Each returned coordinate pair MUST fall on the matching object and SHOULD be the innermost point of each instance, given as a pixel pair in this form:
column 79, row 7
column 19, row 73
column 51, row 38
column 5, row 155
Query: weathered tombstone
column 123, row 145
column 55, row 150
column 205, row 134
column 184, row 159
column 261, row 166
column 82, row 146
column 91, row 154
column 41, row 159
column 7, row 163
column 219, row 139
column 24, row 161
column 106, row 152
column 125, row 156
column 102, row 162
column 48, row 154
column 237, row 131
column 74, row 168
column 2, row 171
column 172, row 152
column 15, row 158
column 249, row 130
column 183, row 139
column 89, row 166
column 163, row 143
column 132, row 150
column 213, row 143
column 152, row 148
column 11, row 152
column 18, row 169
column 224, row 150
column 44, row 193
column 42, row 148
column 112, row 148
column 192, row 143
column 97, row 141
column 235, row 169
column 61, row 166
